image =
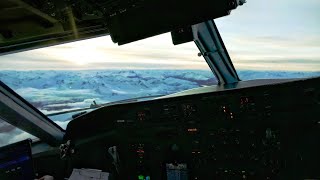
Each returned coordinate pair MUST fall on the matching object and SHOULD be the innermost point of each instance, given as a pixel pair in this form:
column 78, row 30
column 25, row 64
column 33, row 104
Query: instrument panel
column 263, row 132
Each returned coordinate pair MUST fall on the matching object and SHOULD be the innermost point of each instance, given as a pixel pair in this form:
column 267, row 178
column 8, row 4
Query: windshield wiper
column 95, row 105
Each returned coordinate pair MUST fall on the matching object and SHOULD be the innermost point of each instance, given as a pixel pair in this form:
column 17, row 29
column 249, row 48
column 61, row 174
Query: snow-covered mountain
column 52, row 91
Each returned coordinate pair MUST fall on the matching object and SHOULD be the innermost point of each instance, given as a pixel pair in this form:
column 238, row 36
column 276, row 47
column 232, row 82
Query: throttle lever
column 66, row 149
column 115, row 156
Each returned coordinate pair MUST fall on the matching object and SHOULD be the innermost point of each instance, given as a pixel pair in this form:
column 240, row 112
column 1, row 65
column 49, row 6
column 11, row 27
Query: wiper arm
column 95, row 105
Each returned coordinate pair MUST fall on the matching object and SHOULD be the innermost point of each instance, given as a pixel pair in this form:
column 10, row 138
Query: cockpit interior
column 224, row 128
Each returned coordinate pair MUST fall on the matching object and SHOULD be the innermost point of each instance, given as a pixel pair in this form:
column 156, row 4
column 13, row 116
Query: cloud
column 310, row 41
column 10, row 134
column 62, row 124
column 21, row 136
column 262, row 66
column 5, row 127
column 101, row 53
column 284, row 51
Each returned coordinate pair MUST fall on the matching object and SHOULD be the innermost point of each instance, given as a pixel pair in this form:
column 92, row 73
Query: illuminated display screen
column 177, row 171
column 16, row 161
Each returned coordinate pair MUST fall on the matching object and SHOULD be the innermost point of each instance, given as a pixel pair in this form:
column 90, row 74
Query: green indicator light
column 140, row 177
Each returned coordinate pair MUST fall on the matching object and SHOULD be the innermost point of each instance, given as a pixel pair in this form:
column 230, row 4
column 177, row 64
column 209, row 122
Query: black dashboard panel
column 260, row 132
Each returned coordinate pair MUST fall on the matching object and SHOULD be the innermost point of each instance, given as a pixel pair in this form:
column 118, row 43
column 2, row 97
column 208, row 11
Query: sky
column 260, row 35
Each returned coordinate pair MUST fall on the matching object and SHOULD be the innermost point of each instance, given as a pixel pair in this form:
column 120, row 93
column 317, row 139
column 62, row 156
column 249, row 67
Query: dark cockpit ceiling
column 28, row 24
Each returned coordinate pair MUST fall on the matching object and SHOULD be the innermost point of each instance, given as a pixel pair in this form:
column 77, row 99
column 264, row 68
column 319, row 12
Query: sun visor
column 142, row 19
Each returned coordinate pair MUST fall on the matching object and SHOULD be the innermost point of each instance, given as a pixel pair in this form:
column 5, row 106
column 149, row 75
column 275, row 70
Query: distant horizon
column 155, row 69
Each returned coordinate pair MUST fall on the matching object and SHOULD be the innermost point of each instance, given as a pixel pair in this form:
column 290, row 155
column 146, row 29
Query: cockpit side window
column 10, row 134
column 283, row 44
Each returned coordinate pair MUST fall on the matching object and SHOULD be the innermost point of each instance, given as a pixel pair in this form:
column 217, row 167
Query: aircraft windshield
column 97, row 71
column 277, row 39
column 10, row 134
